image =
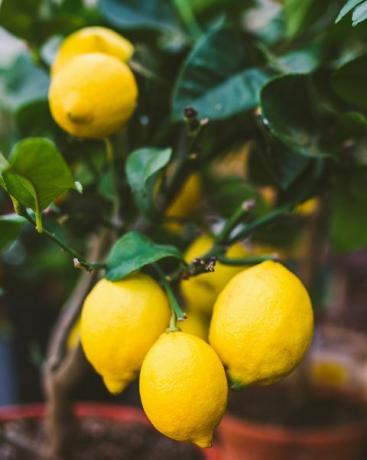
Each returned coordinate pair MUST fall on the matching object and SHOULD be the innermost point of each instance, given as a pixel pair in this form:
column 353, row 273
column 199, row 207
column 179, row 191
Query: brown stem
column 60, row 387
column 63, row 372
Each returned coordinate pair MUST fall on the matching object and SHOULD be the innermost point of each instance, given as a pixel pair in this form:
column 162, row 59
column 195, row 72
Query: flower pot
column 105, row 411
column 244, row 440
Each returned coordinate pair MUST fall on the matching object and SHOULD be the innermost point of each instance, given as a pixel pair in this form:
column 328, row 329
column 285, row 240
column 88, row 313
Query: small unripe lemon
column 183, row 388
column 92, row 40
column 262, row 324
column 200, row 292
column 120, row 322
column 93, row 96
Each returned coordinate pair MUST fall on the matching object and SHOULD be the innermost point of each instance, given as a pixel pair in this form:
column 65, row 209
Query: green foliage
column 216, row 82
column 35, row 20
column 36, row 173
column 9, row 229
column 289, row 80
column 349, row 81
column 134, row 251
column 142, row 167
column 349, row 218
column 288, row 107
column 22, row 83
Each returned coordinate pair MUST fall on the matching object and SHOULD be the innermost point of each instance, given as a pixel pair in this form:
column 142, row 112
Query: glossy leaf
column 139, row 14
column 22, row 83
column 9, row 228
column 141, row 169
column 347, row 8
column 134, row 251
column 37, row 173
column 288, row 109
column 216, row 82
column 349, row 81
column 360, row 14
column 348, row 213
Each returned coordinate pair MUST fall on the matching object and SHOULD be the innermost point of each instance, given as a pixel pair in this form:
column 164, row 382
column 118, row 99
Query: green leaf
column 348, row 213
column 360, row 14
column 134, row 251
column 139, row 14
column 142, row 167
column 22, row 83
column 9, row 227
column 37, row 173
column 312, row 16
column 18, row 16
column 301, row 61
column 276, row 164
column 296, row 13
column 288, row 108
column 216, row 82
column 349, row 81
column 347, row 8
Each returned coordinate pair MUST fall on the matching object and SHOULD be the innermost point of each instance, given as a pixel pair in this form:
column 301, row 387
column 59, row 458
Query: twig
column 79, row 260
column 247, row 260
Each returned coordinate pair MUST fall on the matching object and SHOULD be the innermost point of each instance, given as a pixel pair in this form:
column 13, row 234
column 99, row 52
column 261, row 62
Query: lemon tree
column 177, row 159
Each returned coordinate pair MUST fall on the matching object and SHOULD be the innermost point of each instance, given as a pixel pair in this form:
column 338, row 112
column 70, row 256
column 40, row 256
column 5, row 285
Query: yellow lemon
column 186, row 203
column 195, row 324
column 183, row 388
column 201, row 291
column 92, row 40
column 262, row 324
column 120, row 322
column 93, row 96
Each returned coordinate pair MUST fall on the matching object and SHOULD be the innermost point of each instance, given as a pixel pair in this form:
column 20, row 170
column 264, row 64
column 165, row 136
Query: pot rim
column 111, row 411
column 263, row 431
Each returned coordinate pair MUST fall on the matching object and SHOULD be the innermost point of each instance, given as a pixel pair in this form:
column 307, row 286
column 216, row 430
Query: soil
column 276, row 406
column 97, row 440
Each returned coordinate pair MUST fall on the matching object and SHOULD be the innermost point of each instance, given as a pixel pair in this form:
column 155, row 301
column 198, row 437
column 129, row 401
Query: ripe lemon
column 93, row 96
column 201, row 291
column 195, row 324
column 262, row 324
column 92, row 40
column 183, row 388
column 120, row 322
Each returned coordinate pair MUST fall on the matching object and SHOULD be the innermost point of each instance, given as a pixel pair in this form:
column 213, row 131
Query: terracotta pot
column 243, row 440
column 105, row 411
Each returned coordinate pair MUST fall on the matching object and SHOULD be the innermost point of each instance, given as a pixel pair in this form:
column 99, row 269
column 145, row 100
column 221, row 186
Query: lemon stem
column 177, row 313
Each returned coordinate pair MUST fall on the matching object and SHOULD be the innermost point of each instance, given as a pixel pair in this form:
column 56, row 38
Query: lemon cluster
column 261, row 326
column 93, row 92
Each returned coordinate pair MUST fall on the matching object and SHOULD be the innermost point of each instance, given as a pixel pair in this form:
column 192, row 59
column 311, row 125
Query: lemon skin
column 200, row 292
column 183, row 388
column 120, row 322
column 262, row 324
column 93, row 96
column 92, row 40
